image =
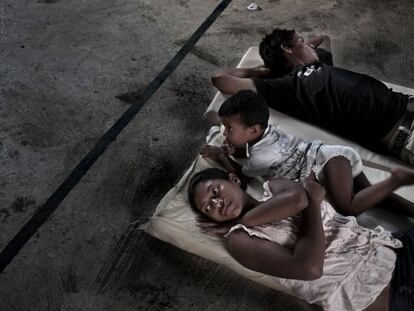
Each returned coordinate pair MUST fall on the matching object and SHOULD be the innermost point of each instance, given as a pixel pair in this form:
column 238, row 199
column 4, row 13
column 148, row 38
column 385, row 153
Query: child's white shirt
column 278, row 154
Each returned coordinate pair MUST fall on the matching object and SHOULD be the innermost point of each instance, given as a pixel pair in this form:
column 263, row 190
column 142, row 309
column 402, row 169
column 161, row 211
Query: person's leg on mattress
column 340, row 187
column 392, row 202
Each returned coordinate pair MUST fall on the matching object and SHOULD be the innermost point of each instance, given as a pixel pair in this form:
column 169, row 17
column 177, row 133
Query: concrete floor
column 62, row 64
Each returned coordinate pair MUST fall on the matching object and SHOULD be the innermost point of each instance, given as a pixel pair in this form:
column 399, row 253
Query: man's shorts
column 405, row 134
column 407, row 152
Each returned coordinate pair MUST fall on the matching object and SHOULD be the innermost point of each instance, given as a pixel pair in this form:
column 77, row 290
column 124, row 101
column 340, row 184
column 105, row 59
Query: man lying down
column 297, row 237
column 352, row 105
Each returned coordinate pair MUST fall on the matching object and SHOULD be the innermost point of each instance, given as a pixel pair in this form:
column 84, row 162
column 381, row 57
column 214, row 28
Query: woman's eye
column 208, row 209
column 215, row 191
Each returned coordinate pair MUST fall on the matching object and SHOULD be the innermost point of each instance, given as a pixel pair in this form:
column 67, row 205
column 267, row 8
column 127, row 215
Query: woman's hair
column 271, row 51
column 249, row 106
column 203, row 176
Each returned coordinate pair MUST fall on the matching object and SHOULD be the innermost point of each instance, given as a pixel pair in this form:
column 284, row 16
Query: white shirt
column 278, row 154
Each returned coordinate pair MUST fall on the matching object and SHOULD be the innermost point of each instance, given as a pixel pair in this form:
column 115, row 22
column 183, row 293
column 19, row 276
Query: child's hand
column 213, row 228
column 211, row 152
column 228, row 149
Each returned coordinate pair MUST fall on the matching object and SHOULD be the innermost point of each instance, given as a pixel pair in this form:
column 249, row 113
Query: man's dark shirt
column 350, row 104
column 324, row 56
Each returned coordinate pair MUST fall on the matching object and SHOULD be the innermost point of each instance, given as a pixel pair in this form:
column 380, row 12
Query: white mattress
column 174, row 222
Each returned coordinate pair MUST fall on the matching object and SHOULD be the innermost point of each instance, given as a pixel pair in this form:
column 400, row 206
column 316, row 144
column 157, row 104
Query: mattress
column 174, row 221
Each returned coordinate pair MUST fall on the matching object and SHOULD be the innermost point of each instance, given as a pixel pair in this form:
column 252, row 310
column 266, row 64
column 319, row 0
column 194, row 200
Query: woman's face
column 219, row 199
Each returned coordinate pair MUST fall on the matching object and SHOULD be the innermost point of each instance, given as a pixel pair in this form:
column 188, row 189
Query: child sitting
column 273, row 153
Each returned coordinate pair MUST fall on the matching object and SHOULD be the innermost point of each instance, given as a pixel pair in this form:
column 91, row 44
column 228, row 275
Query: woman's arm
column 312, row 241
column 304, row 262
column 289, row 198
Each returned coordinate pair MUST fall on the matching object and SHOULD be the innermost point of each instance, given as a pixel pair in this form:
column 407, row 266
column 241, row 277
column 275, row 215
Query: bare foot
column 314, row 190
column 404, row 176
column 212, row 118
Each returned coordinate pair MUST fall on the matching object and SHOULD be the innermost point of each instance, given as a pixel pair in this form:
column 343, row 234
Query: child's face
column 219, row 199
column 237, row 133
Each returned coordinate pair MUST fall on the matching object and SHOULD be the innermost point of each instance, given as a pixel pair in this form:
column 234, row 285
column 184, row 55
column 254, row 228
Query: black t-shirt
column 350, row 104
column 325, row 57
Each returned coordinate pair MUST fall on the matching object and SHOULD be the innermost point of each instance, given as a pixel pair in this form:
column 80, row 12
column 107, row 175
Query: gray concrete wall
column 62, row 64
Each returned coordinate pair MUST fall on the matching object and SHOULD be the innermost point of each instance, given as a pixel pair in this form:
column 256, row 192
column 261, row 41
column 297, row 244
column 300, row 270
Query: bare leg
column 393, row 201
column 339, row 184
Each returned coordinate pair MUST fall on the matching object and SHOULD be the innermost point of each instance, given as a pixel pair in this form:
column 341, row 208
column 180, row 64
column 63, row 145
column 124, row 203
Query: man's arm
column 257, row 71
column 322, row 41
column 229, row 84
column 304, row 262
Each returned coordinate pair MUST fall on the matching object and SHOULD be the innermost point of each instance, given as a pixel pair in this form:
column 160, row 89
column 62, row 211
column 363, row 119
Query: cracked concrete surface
column 62, row 66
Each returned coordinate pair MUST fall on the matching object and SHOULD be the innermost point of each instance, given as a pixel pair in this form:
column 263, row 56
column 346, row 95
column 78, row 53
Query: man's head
column 217, row 194
column 283, row 49
column 245, row 116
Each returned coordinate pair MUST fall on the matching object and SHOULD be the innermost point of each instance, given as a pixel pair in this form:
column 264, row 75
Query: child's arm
column 289, row 198
column 231, row 166
column 239, row 152
column 216, row 153
column 304, row 262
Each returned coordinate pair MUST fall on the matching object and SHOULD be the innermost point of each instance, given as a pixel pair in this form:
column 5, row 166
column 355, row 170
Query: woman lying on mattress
column 297, row 237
